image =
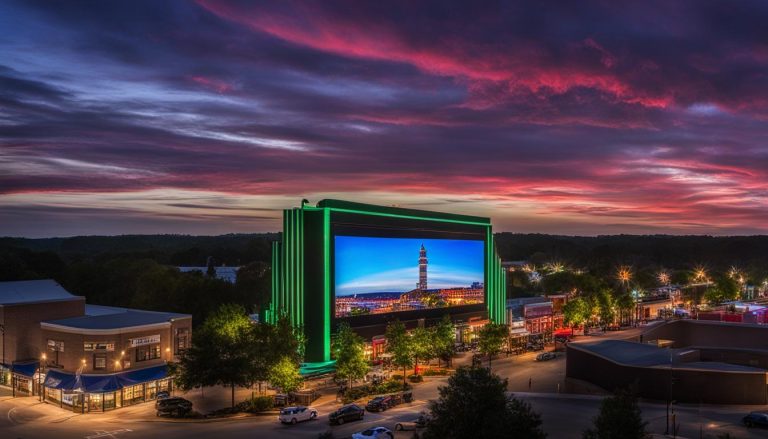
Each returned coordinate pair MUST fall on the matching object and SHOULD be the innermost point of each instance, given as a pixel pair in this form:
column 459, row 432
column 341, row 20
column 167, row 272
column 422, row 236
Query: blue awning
column 25, row 369
column 99, row 383
column 133, row 377
column 56, row 379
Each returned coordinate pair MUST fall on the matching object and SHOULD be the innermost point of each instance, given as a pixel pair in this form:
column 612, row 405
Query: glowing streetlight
column 663, row 277
column 555, row 267
column 624, row 274
column 699, row 274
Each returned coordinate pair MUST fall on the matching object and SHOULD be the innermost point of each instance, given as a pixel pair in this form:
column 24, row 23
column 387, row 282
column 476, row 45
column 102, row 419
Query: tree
column 475, row 404
column 576, row 312
column 221, row 352
column 619, row 418
column 254, row 280
column 349, row 352
column 605, row 304
column 723, row 290
column 287, row 341
column 444, row 339
column 422, row 346
column 284, row 375
column 491, row 339
column 399, row 345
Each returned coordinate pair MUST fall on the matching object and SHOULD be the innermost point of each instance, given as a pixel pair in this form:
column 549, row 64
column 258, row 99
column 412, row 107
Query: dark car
column 347, row 413
column 161, row 396
column 379, row 404
column 756, row 419
column 173, row 407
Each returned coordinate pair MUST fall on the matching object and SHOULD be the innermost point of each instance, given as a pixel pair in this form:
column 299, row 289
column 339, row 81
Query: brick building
column 88, row 358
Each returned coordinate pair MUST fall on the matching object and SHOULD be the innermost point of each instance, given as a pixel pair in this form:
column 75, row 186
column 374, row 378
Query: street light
column 2, row 329
column 40, row 372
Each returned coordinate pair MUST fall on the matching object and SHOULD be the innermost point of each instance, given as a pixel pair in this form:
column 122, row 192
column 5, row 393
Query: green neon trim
column 326, row 285
column 395, row 215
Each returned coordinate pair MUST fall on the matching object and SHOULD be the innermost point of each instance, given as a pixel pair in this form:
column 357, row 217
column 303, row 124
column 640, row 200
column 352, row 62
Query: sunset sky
column 210, row 117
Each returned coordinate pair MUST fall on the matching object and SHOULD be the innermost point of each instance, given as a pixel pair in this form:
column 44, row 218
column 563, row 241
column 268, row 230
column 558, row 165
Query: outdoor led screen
column 375, row 275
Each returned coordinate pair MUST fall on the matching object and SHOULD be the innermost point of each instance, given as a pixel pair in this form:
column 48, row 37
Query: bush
column 415, row 378
column 390, row 386
column 256, row 404
column 436, row 372
column 397, row 377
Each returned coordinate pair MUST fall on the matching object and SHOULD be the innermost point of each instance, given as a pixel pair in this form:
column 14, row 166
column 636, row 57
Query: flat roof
column 647, row 355
column 111, row 318
column 390, row 210
column 33, row 291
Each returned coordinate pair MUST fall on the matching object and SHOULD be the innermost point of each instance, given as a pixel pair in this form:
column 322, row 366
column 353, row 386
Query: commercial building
column 88, row 358
column 703, row 362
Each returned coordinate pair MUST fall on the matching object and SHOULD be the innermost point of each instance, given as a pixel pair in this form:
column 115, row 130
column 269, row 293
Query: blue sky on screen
column 368, row 264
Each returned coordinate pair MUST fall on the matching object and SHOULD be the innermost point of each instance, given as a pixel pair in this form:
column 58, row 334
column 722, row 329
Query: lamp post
column 2, row 329
column 40, row 377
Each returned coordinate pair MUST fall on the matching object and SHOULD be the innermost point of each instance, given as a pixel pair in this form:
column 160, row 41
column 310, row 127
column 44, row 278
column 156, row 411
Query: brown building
column 92, row 358
column 23, row 305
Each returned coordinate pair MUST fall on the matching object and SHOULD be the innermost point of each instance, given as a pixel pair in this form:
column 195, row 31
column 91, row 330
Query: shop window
column 182, row 340
column 147, row 352
column 99, row 361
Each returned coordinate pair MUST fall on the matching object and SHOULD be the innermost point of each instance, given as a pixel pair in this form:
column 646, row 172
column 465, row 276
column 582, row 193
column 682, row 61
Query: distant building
column 87, row 358
column 228, row 274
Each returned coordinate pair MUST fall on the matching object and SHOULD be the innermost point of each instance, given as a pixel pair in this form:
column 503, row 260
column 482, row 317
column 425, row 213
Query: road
column 564, row 415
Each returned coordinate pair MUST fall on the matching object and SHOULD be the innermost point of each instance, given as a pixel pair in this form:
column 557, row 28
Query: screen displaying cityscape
column 381, row 275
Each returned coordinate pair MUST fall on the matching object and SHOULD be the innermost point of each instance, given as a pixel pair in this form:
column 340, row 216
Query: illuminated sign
column 141, row 341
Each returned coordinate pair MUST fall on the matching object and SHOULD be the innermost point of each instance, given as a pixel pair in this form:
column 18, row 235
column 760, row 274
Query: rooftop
column 33, row 291
column 107, row 317
column 647, row 355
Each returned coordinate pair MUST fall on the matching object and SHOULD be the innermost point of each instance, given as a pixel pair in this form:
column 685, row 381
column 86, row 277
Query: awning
column 139, row 376
column 56, row 379
column 27, row 369
column 93, row 383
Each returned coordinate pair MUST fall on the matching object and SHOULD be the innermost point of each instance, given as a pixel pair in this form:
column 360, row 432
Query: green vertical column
column 326, row 285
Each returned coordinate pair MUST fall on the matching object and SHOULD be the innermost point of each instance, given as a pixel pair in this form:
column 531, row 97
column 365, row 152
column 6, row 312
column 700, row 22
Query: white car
column 374, row 433
column 292, row 415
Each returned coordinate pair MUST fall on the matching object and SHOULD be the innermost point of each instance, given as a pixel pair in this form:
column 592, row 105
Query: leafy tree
column 619, row 418
column 605, row 304
column 723, row 290
column 399, row 346
column 444, row 339
column 349, row 352
column 422, row 346
column 491, row 339
column 475, row 404
column 626, row 306
column 255, row 280
column 576, row 312
column 287, row 341
column 284, row 375
column 221, row 352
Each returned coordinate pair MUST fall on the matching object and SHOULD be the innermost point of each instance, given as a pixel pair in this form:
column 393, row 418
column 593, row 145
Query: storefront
column 99, row 393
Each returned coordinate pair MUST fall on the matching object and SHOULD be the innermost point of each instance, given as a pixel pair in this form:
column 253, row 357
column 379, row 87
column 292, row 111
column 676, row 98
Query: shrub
column 415, row 378
column 256, row 404
column 397, row 377
column 436, row 372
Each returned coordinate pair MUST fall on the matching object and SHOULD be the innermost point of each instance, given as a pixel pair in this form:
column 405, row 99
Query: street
column 565, row 415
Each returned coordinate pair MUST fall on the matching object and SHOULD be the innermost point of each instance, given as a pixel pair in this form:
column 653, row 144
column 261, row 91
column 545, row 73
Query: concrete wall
column 691, row 386
column 706, row 333
column 22, row 325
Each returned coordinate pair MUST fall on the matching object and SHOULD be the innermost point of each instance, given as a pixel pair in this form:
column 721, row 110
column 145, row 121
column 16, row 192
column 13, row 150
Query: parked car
column 351, row 412
column 173, row 407
column 292, row 415
column 545, row 356
column 380, row 403
column 417, row 423
column 374, row 433
column 756, row 419
column 161, row 396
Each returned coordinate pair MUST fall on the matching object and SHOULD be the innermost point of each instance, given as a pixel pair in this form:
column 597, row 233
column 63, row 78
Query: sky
column 370, row 264
column 209, row 117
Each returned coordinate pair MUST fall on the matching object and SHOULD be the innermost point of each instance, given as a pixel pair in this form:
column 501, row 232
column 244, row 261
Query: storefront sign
column 538, row 310
column 141, row 341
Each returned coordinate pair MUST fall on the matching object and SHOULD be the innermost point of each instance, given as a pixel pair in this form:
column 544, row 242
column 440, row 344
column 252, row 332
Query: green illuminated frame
column 288, row 259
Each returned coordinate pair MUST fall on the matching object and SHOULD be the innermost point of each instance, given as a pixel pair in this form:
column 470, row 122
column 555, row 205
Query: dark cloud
column 597, row 116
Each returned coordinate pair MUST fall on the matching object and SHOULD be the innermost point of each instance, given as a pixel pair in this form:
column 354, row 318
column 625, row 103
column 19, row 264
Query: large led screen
column 381, row 275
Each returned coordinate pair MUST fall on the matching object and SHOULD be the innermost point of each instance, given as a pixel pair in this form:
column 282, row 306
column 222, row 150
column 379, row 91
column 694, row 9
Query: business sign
column 141, row 341
column 536, row 310
column 55, row 345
